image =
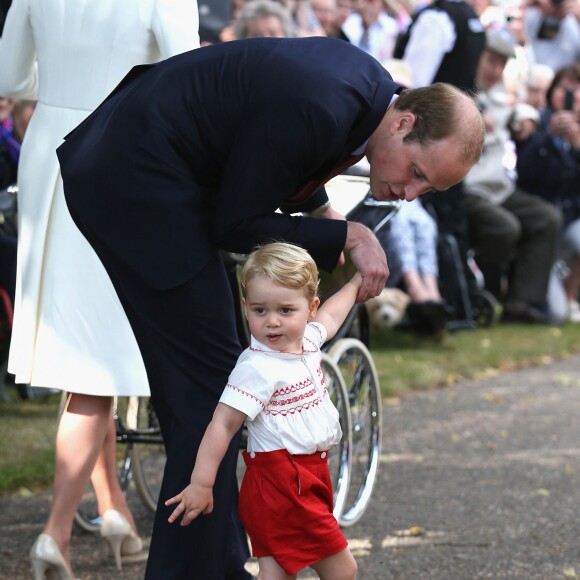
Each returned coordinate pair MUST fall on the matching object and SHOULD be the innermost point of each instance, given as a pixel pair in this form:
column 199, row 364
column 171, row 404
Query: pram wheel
column 147, row 452
column 339, row 456
column 364, row 395
column 484, row 308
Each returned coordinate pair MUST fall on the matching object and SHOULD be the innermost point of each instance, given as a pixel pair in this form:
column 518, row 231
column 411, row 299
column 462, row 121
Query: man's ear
column 405, row 122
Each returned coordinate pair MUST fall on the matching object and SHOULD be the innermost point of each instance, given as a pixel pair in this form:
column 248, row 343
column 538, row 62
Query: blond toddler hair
column 285, row 264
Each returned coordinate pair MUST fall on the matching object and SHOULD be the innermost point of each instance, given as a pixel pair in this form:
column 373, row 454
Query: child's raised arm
column 336, row 308
column 197, row 497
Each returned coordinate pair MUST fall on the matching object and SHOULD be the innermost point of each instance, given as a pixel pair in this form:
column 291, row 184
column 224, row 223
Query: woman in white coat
column 70, row 331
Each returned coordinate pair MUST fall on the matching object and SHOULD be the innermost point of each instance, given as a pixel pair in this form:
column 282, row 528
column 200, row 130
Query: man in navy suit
column 194, row 155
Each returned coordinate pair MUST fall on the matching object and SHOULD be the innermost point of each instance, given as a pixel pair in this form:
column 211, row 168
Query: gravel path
column 479, row 480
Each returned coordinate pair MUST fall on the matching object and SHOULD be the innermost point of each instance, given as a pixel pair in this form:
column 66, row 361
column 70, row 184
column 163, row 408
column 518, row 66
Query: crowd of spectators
column 518, row 211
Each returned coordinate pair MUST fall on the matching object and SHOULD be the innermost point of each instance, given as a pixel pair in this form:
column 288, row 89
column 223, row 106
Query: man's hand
column 194, row 500
column 368, row 257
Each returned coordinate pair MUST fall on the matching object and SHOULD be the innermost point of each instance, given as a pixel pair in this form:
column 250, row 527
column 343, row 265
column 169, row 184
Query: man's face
column 370, row 11
column 405, row 171
column 490, row 69
column 343, row 11
column 325, row 12
column 266, row 27
column 536, row 89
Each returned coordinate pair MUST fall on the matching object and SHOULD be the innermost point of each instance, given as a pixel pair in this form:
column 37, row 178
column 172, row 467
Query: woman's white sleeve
column 18, row 73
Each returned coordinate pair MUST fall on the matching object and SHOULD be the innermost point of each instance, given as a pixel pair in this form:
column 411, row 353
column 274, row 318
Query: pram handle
column 374, row 213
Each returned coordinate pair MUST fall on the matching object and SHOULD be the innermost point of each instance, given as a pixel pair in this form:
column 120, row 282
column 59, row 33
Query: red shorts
column 286, row 506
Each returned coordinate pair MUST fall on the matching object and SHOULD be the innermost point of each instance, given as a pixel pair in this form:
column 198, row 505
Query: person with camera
column 549, row 166
column 552, row 31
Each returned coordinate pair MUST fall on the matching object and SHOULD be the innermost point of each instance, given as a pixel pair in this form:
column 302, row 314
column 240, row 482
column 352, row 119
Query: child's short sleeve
column 316, row 332
column 247, row 390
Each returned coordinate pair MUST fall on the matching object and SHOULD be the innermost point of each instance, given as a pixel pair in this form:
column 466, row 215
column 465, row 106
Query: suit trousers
column 189, row 343
column 520, row 236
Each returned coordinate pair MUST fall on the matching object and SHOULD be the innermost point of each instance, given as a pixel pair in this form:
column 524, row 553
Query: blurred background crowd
column 511, row 229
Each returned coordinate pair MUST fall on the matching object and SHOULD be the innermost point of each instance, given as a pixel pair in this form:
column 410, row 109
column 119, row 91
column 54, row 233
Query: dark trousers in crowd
column 519, row 237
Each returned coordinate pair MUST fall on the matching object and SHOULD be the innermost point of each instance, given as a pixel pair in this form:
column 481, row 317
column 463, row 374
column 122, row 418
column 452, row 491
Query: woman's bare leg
column 104, row 477
column 79, row 439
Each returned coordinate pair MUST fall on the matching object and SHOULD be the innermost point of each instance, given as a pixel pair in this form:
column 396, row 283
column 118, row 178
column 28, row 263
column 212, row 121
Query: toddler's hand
column 194, row 500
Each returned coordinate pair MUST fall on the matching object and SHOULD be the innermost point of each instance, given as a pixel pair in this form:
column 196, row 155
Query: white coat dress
column 70, row 331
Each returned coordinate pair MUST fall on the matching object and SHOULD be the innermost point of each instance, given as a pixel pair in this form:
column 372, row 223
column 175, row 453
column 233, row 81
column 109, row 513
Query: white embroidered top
column 284, row 396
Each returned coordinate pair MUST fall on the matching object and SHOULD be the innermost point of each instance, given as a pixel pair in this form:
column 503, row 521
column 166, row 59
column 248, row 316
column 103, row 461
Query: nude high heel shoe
column 47, row 561
column 118, row 534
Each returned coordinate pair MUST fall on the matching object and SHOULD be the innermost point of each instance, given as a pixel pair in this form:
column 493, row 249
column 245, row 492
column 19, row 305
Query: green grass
column 404, row 363
column 27, row 432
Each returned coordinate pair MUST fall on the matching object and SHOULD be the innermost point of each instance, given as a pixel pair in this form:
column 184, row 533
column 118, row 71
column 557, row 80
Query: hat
column 523, row 111
column 501, row 42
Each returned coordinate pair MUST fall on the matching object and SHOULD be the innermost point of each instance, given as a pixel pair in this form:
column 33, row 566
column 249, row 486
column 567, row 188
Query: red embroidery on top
column 292, row 399
column 294, row 410
column 313, row 345
column 245, row 393
column 320, row 374
column 292, row 388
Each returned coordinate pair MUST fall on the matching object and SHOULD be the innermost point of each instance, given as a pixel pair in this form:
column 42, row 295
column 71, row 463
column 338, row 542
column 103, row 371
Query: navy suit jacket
column 198, row 151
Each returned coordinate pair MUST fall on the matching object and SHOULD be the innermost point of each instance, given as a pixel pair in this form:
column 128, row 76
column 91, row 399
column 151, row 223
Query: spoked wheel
column 360, row 377
column 339, row 457
column 148, row 453
column 87, row 515
column 484, row 305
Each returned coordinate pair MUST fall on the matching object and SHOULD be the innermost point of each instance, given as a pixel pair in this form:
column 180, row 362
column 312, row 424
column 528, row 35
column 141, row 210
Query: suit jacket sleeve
column 278, row 149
